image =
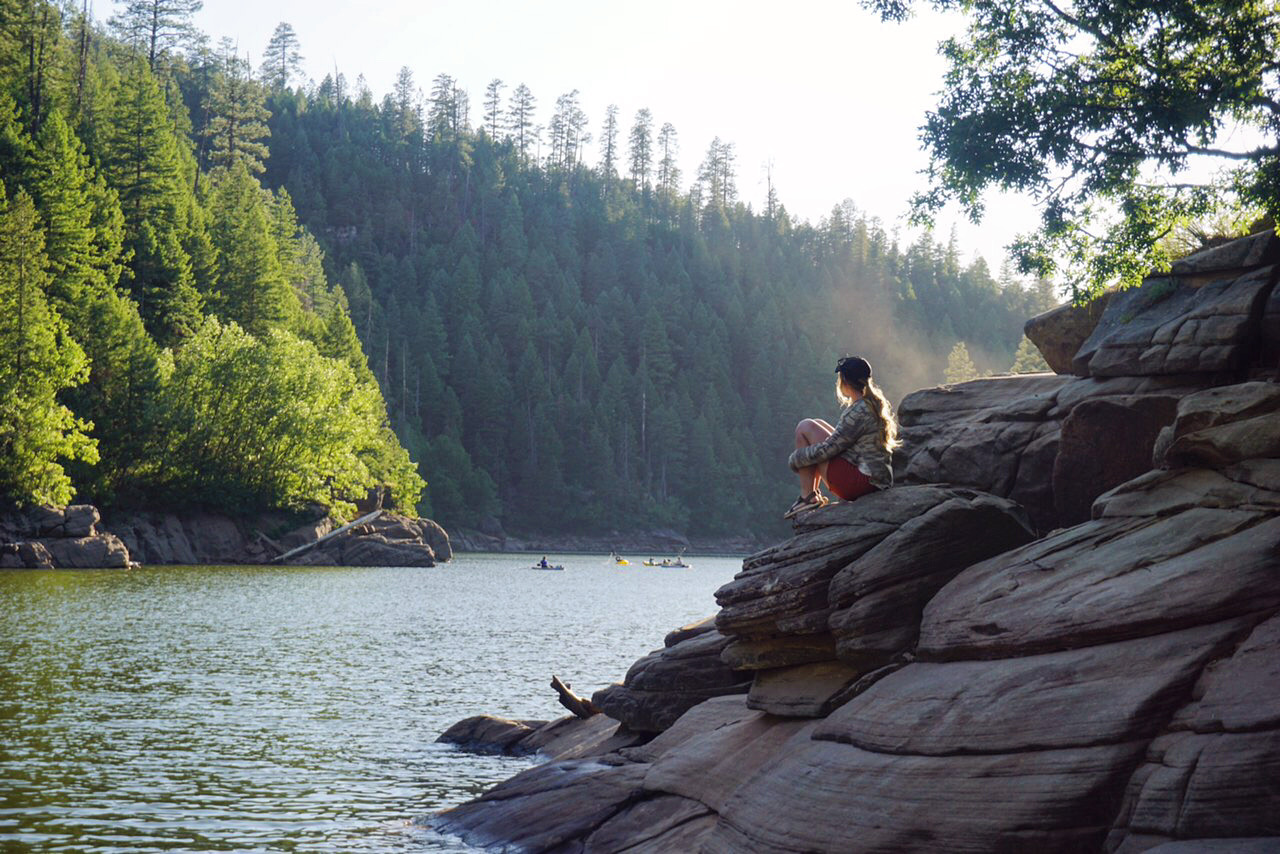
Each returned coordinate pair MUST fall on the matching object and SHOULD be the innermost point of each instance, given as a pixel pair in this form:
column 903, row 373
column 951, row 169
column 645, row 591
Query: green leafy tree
column 122, row 399
column 1100, row 110
column 38, row 361
column 268, row 421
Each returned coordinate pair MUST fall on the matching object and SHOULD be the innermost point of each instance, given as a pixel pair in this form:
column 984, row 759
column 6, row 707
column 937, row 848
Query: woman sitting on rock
column 853, row 458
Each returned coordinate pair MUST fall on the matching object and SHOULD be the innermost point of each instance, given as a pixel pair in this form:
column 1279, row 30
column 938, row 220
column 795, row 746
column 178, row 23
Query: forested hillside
column 168, row 336
column 564, row 341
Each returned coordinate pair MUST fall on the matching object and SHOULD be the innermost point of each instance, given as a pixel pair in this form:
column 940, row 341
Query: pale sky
column 824, row 91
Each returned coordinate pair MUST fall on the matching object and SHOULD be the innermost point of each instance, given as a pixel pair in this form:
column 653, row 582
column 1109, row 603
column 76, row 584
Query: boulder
column 546, row 806
column 705, row 717
column 580, row 738
column 1167, row 326
column 1105, row 442
column 81, row 520
column 656, row 823
column 666, row 683
column 1108, row 580
column 711, row 766
column 1059, row 332
column 104, row 551
column 377, row 550
column 776, row 610
column 1094, row 695
column 25, row 555
column 1224, row 425
column 877, row 599
column 1269, row 330
column 76, row 520
column 157, row 539
column 1235, row 256
column 489, row 734
column 1002, row 435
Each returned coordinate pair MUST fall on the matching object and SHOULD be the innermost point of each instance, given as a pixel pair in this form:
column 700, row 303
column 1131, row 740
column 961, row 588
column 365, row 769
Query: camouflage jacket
column 857, row 439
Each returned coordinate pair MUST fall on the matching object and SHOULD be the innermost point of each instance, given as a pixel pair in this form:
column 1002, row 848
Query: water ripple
column 294, row 709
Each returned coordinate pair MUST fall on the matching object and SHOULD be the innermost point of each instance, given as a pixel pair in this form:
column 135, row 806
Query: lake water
column 295, row 708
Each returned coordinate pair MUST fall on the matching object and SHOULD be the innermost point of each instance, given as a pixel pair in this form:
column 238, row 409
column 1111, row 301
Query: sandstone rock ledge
column 929, row 677
column 1060, row 634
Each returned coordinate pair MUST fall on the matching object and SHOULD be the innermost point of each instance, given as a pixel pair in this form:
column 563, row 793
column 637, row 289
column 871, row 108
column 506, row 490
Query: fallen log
column 580, row 706
column 305, row 547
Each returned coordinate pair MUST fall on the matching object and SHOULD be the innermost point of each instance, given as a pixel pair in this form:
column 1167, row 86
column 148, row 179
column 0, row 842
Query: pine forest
column 223, row 286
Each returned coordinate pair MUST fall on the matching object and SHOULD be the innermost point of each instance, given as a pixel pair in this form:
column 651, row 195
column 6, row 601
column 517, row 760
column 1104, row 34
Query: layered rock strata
column 77, row 537
column 1108, row 687
column 1111, row 686
column 214, row 538
column 666, row 683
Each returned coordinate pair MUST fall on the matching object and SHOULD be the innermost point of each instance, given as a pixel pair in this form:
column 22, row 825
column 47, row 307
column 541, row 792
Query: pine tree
column 251, row 287
column 156, row 27
column 609, row 144
column 282, row 60
column 140, row 154
column 237, row 116
column 1028, row 359
column 960, row 367
column 493, row 108
column 520, row 110
column 82, row 261
column 641, row 148
column 141, row 162
column 29, row 34
column 668, row 165
column 38, row 361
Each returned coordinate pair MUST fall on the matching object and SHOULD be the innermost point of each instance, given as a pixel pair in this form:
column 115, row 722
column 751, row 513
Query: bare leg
column 811, row 431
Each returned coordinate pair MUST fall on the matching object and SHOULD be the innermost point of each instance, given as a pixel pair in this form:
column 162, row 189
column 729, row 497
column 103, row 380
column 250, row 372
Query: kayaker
column 853, row 458
column 543, row 563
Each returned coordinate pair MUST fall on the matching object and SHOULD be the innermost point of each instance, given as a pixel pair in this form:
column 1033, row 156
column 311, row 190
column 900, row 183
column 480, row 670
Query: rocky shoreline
column 1060, row 633
column 78, row 537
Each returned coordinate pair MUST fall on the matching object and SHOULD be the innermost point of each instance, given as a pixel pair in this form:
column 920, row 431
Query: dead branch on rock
column 580, row 706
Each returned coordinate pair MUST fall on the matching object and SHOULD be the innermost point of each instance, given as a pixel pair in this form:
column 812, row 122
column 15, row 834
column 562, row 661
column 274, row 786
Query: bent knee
column 807, row 426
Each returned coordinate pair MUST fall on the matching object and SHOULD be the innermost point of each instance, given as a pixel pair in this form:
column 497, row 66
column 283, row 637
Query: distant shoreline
column 657, row 544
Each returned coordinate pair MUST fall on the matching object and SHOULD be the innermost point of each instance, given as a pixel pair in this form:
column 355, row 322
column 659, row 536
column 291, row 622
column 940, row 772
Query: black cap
column 854, row 369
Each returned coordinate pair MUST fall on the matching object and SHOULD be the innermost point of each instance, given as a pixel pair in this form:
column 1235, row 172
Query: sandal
column 812, row 501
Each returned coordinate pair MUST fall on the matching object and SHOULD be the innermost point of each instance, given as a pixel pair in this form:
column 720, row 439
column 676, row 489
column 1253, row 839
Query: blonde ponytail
column 880, row 406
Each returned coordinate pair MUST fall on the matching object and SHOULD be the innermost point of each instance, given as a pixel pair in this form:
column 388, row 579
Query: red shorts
column 846, row 481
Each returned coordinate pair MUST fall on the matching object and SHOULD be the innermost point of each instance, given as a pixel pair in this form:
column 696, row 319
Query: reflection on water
column 295, row 709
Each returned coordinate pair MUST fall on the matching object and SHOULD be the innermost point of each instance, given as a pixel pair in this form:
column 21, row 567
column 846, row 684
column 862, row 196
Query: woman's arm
column 855, row 421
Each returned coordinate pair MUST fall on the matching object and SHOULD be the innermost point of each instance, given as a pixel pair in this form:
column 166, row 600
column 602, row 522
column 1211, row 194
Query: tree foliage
column 562, row 346
column 38, row 360
column 126, row 271
column 1106, row 113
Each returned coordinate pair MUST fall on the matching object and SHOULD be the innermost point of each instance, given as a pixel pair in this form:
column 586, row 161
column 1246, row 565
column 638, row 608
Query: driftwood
column 580, row 706
column 306, row 547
